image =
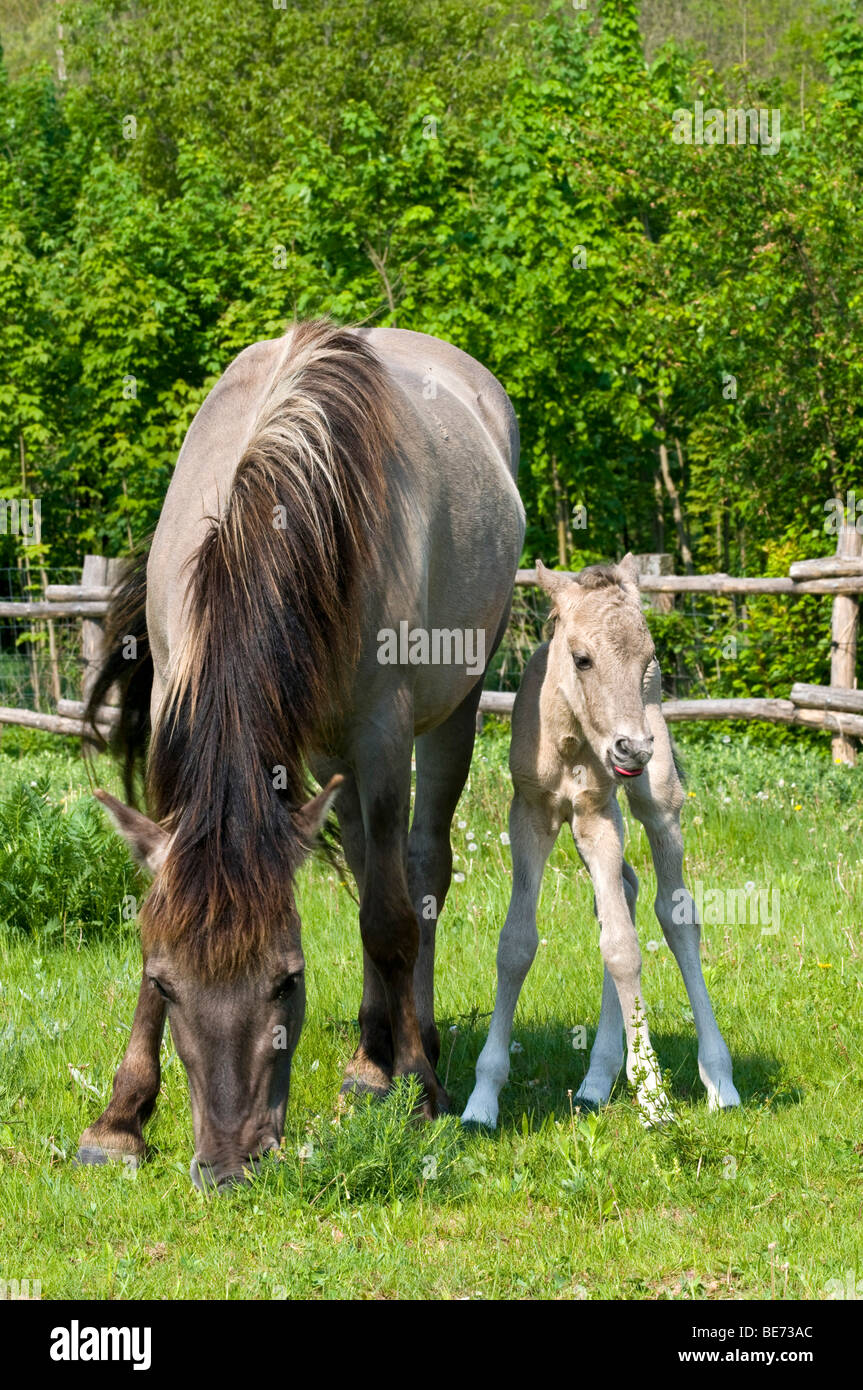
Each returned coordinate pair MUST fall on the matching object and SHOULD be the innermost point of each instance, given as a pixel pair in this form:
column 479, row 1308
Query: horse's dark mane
column 272, row 637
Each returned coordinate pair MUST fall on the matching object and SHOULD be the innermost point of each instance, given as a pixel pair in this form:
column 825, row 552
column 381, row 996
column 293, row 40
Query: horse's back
column 442, row 368
column 452, row 540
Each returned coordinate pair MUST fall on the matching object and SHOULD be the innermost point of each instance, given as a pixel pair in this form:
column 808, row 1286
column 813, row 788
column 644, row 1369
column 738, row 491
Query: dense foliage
column 678, row 324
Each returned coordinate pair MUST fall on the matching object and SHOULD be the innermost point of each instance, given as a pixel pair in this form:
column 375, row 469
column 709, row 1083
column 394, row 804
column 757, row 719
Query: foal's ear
column 550, row 580
column 309, row 818
column 628, row 572
column 148, row 841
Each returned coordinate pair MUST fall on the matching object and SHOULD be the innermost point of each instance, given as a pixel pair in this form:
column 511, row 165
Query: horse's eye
column 286, row 987
column 582, row 662
column 157, row 984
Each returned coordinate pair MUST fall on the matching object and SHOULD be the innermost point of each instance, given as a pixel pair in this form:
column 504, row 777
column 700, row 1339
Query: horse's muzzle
column 222, row 1176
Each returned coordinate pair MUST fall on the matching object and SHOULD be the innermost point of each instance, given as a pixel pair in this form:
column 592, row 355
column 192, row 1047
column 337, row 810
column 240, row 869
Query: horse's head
column 235, row 1024
column 599, row 653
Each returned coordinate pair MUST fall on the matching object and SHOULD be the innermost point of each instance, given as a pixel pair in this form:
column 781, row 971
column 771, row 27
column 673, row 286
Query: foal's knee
column 621, row 955
column 516, row 950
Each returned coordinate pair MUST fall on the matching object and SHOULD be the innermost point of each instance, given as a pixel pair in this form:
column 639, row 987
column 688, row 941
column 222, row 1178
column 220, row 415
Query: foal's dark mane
column 272, row 637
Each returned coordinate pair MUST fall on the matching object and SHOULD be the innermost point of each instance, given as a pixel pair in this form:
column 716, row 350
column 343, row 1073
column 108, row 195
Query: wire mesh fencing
column 41, row 660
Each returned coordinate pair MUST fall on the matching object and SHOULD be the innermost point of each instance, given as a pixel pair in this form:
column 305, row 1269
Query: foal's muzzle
column 630, row 756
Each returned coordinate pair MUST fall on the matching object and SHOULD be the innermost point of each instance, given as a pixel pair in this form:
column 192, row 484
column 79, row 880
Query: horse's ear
column 628, row 572
column 550, row 580
column 147, row 840
column 309, row 818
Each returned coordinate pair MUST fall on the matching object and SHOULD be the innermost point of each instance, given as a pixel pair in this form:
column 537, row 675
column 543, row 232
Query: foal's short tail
column 128, row 665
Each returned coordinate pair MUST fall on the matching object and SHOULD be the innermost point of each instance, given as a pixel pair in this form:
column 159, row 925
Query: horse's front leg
column 388, row 919
column 370, row 1070
column 599, row 838
column 119, row 1131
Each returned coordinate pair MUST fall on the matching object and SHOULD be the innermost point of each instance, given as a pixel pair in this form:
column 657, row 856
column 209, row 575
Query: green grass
column 763, row 1202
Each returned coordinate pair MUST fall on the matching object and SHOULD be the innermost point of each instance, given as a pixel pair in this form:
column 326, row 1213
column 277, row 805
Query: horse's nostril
column 232, row 1180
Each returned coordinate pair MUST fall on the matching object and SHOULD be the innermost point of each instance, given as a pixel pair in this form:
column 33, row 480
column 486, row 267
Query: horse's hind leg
column 443, row 762
column 655, row 799
column 388, row 921
column 119, row 1131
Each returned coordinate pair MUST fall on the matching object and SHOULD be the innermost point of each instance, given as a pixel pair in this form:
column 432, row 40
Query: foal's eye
column 286, row 987
column 157, row 985
column 582, row 662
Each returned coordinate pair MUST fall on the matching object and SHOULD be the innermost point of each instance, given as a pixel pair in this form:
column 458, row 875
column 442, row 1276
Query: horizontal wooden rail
column 831, row 697
column 830, row 567
column 677, row 711
column 81, row 601
column 726, row 584
column 39, row 609
column 77, row 593
column 74, row 709
column 50, row 723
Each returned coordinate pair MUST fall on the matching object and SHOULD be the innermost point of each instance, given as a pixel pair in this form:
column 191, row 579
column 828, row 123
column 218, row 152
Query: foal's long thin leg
column 599, row 838
column 532, row 838
column 656, row 802
column 606, row 1057
column 443, row 762
column 119, row 1131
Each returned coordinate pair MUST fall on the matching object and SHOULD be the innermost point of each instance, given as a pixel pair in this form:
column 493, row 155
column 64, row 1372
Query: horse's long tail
column 127, row 664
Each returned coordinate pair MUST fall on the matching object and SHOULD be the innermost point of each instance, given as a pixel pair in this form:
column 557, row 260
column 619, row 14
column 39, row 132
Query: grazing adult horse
column 588, row 720
column 342, row 498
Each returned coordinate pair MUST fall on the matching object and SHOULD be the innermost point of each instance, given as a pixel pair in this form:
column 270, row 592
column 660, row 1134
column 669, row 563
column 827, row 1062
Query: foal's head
column 600, row 649
column 235, row 1018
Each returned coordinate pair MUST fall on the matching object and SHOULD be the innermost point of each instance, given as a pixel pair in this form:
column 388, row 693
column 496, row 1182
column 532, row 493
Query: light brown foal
column 588, row 720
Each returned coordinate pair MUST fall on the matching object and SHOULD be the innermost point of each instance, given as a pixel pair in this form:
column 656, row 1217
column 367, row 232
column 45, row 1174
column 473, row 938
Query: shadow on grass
column 548, row 1066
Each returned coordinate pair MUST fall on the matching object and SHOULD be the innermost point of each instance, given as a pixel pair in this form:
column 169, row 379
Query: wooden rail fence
column 836, row 708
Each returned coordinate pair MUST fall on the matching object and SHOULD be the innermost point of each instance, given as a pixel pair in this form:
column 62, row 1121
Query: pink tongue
column 624, row 773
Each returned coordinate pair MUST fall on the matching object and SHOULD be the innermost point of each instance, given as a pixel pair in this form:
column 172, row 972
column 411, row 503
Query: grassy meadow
column 762, row 1202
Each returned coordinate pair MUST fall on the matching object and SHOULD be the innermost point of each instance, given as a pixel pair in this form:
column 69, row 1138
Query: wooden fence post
column 98, row 570
column 95, row 572
column 656, row 565
column 843, row 634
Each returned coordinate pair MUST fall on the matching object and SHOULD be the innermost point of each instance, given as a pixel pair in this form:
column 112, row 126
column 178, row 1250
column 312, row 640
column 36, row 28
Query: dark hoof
column 355, row 1086
column 478, row 1127
column 444, row 1104
column 587, row 1107
column 89, row 1154
column 364, row 1077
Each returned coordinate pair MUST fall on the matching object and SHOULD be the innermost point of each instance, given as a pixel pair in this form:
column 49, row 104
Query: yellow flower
column 824, row 965
column 798, row 807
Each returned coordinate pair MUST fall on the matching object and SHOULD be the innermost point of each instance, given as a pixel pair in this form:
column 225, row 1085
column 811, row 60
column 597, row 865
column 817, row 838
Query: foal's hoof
column 89, row 1154
column 586, row 1105
column 478, row 1126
